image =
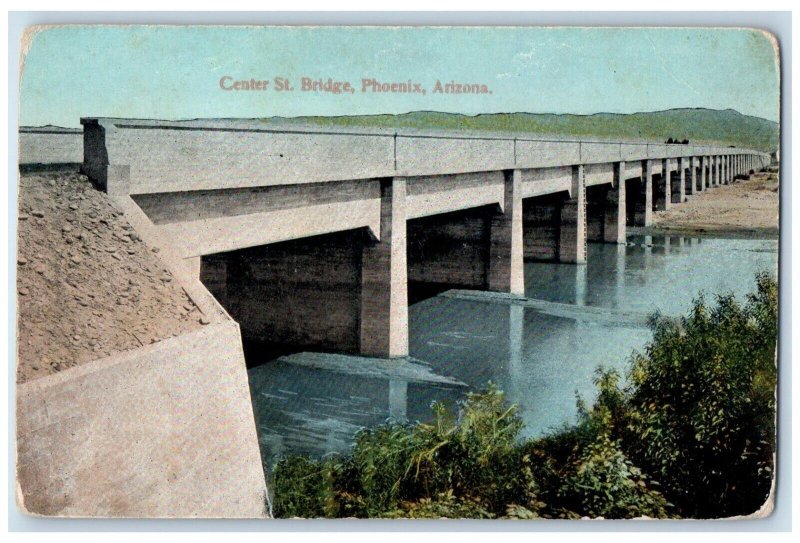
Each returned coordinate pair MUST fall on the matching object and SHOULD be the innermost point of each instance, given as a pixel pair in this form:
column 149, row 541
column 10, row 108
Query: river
column 542, row 350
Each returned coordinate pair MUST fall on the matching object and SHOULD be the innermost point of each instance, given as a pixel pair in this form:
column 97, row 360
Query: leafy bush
column 302, row 486
column 694, row 427
column 583, row 471
column 700, row 404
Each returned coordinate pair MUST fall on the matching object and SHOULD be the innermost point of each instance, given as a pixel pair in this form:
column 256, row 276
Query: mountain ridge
column 699, row 125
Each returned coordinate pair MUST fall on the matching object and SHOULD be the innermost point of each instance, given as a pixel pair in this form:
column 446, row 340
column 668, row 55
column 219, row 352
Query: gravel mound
column 87, row 285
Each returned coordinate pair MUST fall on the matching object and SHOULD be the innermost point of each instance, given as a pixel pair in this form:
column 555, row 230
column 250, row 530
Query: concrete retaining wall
column 166, row 430
column 50, row 145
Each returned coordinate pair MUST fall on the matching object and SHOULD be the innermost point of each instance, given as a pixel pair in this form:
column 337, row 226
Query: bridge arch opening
column 292, row 296
column 449, row 250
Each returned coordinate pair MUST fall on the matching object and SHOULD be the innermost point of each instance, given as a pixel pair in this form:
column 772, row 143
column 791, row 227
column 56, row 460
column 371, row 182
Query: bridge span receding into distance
column 315, row 237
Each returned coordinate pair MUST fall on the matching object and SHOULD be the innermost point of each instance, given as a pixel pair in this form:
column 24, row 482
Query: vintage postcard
column 397, row 272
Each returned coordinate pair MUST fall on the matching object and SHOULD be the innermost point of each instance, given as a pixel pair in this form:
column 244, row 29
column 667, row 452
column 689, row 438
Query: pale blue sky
column 173, row 72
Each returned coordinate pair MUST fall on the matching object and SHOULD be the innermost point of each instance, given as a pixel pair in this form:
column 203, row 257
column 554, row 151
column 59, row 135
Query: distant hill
column 701, row 126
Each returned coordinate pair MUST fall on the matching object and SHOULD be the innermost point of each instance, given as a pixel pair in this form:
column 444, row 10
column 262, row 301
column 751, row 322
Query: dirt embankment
column 746, row 208
column 87, row 286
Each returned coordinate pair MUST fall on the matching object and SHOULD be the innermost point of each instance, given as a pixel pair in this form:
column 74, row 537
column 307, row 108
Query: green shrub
column 693, row 426
column 604, row 483
column 700, row 404
column 582, row 471
column 302, row 487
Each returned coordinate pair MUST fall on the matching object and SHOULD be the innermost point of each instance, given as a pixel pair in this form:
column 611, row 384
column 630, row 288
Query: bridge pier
column 662, row 188
column 701, row 182
column 712, row 173
column 615, row 212
column 712, row 170
column 572, row 234
column 384, row 283
column 643, row 201
column 606, row 213
column 679, row 183
column 731, row 169
column 726, row 170
column 505, row 273
column 690, row 176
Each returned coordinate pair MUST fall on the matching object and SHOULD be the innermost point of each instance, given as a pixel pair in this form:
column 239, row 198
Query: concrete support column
column 644, row 201
column 702, row 181
column 691, row 185
column 663, row 200
column 384, row 285
column 506, row 273
column 679, row 185
column 615, row 215
column 572, row 234
column 727, row 170
column 711, row 166
column 717, row 170
column 712, row 172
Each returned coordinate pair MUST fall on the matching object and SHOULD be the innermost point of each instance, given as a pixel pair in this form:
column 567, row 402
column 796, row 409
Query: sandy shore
column 744, row 209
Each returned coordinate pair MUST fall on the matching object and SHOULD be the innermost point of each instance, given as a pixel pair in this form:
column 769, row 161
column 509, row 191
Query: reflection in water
column 540, row 358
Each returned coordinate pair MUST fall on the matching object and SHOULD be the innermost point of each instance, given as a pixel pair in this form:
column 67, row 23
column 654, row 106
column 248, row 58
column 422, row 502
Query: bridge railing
column 162, row 156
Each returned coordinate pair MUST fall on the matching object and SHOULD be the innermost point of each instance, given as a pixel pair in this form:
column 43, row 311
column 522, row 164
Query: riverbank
column 744, row 209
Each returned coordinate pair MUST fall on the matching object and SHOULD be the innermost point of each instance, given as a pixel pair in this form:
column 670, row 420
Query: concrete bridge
column 314, row 238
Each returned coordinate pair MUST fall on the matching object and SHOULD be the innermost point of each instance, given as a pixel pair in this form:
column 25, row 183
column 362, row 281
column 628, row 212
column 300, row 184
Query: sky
column 174, row 72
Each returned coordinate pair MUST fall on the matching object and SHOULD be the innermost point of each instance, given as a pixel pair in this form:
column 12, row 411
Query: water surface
column 541, row 355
